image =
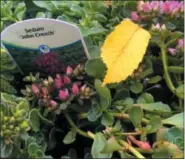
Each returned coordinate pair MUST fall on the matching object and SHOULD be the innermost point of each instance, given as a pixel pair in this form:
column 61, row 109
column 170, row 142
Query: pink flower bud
column 53, row 103
column 172, row 51
column 154, row 5
column 58, row 81
column 35, row 89
column 180, row 43
column 44, row 90
column 146, row 7
column 181, row 6
column 82, row 89
column 69, row 70
column 134, row 16
column 140, row 5
column 166, row 7
column 161, row 10
column 66, row 80
column 63, row 94
column 75, row 89
column 156, row 27
column 175, row 11
column 143, row 145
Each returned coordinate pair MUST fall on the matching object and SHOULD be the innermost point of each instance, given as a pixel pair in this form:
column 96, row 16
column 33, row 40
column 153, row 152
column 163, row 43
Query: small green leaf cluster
column 7, row 69
column 14, row 118
column 11, row 12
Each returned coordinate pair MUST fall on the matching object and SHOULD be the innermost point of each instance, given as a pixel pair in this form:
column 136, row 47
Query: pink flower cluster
column 171, row 8
column 42, row 93
column 62, row 82
column 178, row 48
column 63, row 85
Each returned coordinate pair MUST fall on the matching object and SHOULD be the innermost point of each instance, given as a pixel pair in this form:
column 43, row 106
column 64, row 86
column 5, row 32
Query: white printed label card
column 44, row 45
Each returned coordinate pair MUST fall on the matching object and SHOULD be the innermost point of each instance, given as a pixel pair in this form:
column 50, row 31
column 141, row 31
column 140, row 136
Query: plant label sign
column 44, row 45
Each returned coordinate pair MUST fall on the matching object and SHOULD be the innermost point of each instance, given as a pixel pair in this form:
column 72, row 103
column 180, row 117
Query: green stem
column 79, row 131
column 166, row 73
column 151, row 151
column 181, row 105
column 126, row 116
column 131, row 149
column 118, row 115
column 128, row 133
column 125, row 144
column 175, row 69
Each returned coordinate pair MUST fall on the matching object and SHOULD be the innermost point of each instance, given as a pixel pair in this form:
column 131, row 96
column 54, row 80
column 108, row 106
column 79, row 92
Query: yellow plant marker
column 123, row 50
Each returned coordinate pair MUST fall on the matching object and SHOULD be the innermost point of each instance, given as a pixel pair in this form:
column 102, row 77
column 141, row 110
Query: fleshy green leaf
column 102, row 91
column 180, row 90
column 154, row 124
column 136, row 87
column 70, row 137
column 154, row 79
column 172, row 149
column 94, row 52
column 145, row 98
column 98, row 145
column 32, row 148
column 175, row 135
column 34, row 120
column 157, row 107
column 6, row 150
column 107, row 119
column 39, row 153
column 112, row 145
column 176, row 120
column 121, row 94
column 136, row 115
column 40, row 15
column 95, row 67
column 94, row 113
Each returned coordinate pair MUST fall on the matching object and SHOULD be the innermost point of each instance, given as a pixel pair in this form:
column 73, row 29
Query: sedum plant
column 16, row 140
column 138, row 117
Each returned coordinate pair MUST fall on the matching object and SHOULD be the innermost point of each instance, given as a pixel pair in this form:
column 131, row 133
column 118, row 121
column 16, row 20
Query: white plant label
column 44, row 45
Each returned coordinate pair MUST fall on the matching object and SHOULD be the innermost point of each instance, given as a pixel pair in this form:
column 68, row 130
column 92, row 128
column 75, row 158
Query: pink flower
column 63, row 94
column 156, row 27
column 161, row 10
column 181, row 6
column 166, row 8
column 171, row 7
column 134, row 16
column 154, row 5
column 75, row 89
column 53, row 103
column 44, row 90
column 58, row 81
column 66, row 80
column 141, row 144
column 146, row 7
column 180, row 43
column 35, row 89
column 172, row 51
column 140, row 6
column 82, row 89
column 69, row 70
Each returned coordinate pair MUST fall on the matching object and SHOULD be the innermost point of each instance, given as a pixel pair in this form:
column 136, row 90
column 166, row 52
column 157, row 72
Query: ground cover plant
column 125, row 101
